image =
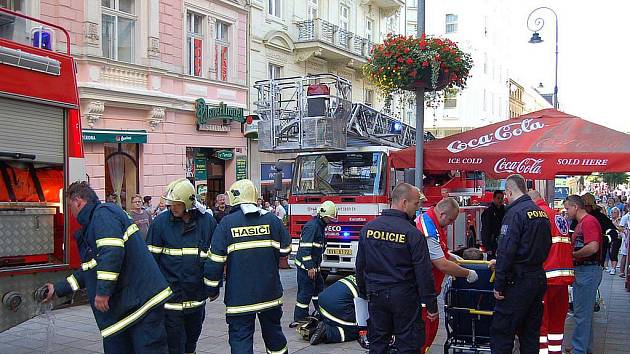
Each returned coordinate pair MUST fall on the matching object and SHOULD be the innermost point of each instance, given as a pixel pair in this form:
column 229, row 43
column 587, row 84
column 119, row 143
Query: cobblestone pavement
column 75, row 331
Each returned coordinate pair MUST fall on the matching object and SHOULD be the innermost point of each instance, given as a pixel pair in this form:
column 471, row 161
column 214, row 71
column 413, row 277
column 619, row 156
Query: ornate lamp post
column 536, row 25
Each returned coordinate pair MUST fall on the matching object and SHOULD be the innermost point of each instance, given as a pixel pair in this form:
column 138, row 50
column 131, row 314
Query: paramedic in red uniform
column 432, row 225
column 559, row 270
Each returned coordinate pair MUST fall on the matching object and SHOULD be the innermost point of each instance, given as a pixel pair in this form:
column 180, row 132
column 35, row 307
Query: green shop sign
column 224, row 154
column 114, row 136
column 205, row 113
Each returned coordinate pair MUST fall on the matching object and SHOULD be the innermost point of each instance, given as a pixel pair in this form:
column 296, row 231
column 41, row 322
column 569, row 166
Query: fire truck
column 41, row 152
column 348, row 162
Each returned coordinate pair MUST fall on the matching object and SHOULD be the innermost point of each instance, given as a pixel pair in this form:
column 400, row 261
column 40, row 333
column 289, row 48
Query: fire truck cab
column 41, row 152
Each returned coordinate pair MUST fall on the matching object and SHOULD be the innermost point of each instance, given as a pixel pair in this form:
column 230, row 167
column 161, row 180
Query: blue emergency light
column 42, row 38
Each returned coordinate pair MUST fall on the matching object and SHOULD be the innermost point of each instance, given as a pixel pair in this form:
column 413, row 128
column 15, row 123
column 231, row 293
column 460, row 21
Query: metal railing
column 326, row 32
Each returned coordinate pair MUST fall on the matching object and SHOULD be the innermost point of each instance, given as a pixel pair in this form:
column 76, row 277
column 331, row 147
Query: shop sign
column 268, row 171
column 114, row 136
column 251, row 130
column 241, row 167
column 224, row 154
column 200, row 167
column 205, row 113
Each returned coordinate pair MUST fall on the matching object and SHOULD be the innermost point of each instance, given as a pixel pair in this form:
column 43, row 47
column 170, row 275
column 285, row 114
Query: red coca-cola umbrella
column 538, row 145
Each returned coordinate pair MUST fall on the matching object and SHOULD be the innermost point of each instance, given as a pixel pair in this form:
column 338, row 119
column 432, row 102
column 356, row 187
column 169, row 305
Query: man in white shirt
column 625, row 223
column 279, row 210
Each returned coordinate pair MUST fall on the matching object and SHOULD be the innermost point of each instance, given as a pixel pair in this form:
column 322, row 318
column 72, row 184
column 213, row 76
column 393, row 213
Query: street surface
column 75, row 331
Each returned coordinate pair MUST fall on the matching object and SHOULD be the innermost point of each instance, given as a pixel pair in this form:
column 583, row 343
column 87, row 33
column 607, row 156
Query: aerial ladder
column 316, row 113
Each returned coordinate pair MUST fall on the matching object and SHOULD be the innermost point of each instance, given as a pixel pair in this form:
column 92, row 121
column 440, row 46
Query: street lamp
column 538, row 24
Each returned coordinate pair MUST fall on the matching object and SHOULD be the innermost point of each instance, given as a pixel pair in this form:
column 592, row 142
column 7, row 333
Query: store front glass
column 121, row 173
column 206, row 172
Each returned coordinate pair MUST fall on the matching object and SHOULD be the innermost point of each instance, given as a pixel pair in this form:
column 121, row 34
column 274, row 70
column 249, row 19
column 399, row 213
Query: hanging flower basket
column 409, row 63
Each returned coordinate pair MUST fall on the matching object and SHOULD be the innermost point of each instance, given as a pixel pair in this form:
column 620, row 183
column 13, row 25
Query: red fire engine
column 41, row 152
column 350, row 163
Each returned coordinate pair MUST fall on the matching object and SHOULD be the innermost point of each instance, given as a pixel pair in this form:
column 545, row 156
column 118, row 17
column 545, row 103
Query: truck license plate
column 339, row 251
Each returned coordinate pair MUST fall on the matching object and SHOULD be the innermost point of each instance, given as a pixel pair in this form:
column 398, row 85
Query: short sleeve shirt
column 435, row 250
column 587, row 230
column 625, row 221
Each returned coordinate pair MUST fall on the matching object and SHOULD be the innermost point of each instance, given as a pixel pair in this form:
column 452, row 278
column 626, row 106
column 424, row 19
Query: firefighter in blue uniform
column 520, row 282
column 249, row 243
column 308, row 259
column 125, row 287
column 394, row 273
column 179, row 239
column 337, row 314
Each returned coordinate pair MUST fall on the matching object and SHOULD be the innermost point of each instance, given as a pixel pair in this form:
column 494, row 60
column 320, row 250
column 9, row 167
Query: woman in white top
column 624, row 225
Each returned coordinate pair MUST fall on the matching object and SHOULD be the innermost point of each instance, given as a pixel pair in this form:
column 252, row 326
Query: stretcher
column 468, row 310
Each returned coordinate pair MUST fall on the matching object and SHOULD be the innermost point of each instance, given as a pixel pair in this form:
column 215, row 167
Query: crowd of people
column 149, row 273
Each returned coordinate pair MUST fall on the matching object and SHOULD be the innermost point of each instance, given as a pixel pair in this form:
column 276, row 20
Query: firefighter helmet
column 242, row 192
column 180, row 190
column 327, row 208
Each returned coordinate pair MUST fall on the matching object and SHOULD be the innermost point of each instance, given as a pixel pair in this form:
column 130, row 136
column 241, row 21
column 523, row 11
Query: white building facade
column 479, row 28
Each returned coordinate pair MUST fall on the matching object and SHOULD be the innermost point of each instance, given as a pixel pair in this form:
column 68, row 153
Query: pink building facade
column 142, row 64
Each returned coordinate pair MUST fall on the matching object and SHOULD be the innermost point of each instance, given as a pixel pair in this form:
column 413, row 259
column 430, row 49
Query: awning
column 538, row 145
column 114, row 136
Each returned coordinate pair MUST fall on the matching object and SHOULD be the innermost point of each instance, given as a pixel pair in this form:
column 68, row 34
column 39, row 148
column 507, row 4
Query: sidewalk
column 75, row 331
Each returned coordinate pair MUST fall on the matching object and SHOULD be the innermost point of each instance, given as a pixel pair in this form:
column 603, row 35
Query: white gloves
column 472, row 276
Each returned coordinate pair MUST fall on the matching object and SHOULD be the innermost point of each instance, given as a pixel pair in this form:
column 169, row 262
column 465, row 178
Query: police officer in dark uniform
column 308, row 259
column 520, row 281
column 394, row 273
column 249, row 243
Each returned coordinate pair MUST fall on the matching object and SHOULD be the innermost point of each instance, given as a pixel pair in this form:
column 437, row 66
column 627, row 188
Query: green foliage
column 615, row 179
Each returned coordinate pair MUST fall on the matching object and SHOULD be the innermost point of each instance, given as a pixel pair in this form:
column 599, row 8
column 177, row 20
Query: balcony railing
column 326, row 32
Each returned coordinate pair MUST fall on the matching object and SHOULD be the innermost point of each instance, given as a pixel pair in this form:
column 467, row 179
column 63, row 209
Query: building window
column 312, row 9
column 369, row 97
column 222, row 50
column 118, row 29
column 412, row 3
column 275, row 7
column 13, row 5
column 450, row 99
column 451, row 23
column 275, row 71
column 485, row 100
column 121, row 173
column 194, row 43
column 369, row 29
column 485, row 63
column 344, row 17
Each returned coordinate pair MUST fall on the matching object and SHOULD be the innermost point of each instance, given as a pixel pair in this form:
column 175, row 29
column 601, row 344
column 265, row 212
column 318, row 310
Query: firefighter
column 432, row 224
column 337, row 314
column 125, row 287
column 394, row 274
column 309, row 257
column 559, row 271
column 249, row 241
column 179, row 240
column 520, row 280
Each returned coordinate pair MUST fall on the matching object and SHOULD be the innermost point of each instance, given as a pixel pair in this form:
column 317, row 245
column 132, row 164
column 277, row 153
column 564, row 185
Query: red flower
column 400, row 59
column 413, row 73
column 387, row 54
column 453, row 77
column 437, row 57
column 396, row 67
column 425, row 64
column 422, row 44
column 458, row 59
column 409, row 61
column 406, row 50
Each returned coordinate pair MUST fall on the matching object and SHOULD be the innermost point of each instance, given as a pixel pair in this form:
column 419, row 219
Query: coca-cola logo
column 525, row 166
column 505, row 132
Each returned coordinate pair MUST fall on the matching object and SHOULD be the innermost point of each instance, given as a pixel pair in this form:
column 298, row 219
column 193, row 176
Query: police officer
column 125, row 287
column 336, row 309
column 179, row 240
column 308, row 259
column 520, row 281
column 249, row 241
column 394, row 273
